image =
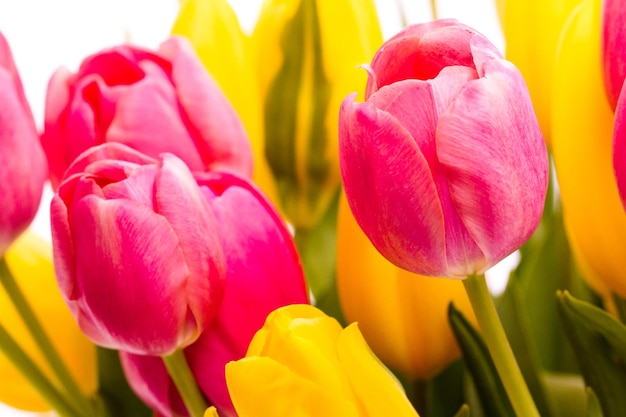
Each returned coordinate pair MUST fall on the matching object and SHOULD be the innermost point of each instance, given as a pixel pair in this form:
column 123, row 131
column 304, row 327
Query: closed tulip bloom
column 153, row 101
column 263, row 273
column 613, row 48
column 30, row 260
column 308, row 51
column 403, row 316
column 583, row 136
column 136, row 250
column 302, row 363
column 213, row 29
column 444, row 165
column 23, row 168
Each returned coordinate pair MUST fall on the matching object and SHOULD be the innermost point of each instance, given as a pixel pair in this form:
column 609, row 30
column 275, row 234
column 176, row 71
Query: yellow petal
column 214, row 31
column 30, row 261
column 211, row 412
column 582, row 147
column 378, row 391
column 262, row 387
column 403, row 316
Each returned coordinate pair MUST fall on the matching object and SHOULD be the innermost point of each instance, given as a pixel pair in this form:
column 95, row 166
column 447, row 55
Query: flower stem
column 42, row 340
column 433, row 7
column 34, row 375
column 178, row 369
column 498, row 345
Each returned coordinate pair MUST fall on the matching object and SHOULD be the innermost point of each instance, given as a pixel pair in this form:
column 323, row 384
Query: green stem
column 42, row 340
column 498, row 345
column 178, row 369
column 33, row 374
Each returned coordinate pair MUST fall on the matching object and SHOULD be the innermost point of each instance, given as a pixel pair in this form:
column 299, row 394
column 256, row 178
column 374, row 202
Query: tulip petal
column 496, row 161
column 148, row 119
column 619, row 145
column 376, row 153
column 304, row 399
column 379, row 391
column 124, row 294
column 613, row 48
column 221, row 137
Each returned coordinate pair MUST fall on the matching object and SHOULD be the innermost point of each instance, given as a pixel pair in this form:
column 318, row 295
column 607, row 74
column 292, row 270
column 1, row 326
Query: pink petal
column 390, row 187
column 148, row 118
column 613, row 48
column 619, row 146
column 133, row 274
column 216, row 127
column 496, row 161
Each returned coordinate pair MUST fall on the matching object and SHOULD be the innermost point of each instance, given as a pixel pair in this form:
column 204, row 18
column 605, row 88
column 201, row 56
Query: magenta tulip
column 444, row 165
column 154, row 102
column 23, row 168
column 613, row 48
column 619, row 146
column 263, row 273
column 136, row 250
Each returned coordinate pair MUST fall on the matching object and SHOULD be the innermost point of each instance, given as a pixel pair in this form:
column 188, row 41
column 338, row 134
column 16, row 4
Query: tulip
column 30, row 261
column 213, row 30
column 263, row 273
column 23, row 168
column 302, row 363
column 154, row 102
column 444, row 165
column 403, row 316
column 613, row 40
column 136, row 250
column 582, row 136
column 531, row 30
column 308, row 52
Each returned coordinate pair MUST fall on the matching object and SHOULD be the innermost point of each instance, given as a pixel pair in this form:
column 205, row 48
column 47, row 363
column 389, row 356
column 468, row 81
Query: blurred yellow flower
column 213, row 29
column 303, row 364
column 403, row 316
column 30, row 261
column 307, row 54
column 582, row 147
column 531, row 30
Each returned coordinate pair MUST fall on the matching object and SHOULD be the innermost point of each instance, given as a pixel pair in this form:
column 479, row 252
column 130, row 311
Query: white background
column 46, row 34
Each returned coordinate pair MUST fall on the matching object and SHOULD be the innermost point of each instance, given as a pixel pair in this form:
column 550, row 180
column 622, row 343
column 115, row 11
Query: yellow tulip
column 308, row 54
column 531, row 30
column 403, row 316
column 582, row 146
column 214, row 31
column 303, row 364
column 30, row 261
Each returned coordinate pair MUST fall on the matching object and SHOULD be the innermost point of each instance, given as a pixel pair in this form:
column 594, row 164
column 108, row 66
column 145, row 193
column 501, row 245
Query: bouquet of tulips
column 299, row 222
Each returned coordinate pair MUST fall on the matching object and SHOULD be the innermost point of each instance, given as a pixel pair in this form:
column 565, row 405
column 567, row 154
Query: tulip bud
column 403, row 316
column 308, row 51
column 154, row 102
column 444, row 165
column 263, row 273
column 30, row 262
column 303, row 363
column 136, row 250
column 582, row 137
column 213, row 30
column 23, row 168
column 613, row 48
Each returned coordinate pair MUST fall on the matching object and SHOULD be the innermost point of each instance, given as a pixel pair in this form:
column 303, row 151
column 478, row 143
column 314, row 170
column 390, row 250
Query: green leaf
column 464, row 411
column 493, row 398
column 116, row 398
column 593, row 405
column 599, row 341
column 567, row 392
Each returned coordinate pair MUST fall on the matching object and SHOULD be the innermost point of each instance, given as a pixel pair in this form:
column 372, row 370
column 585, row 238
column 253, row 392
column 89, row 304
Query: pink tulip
column 136, row 250
column 444, row 165
column 263, row 273
column 613, row 48
column 154, row 102
column 23, row 168
column 619, row 146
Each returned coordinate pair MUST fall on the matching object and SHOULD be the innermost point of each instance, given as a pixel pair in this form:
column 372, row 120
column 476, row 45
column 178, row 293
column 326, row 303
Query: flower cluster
column 298, row 223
